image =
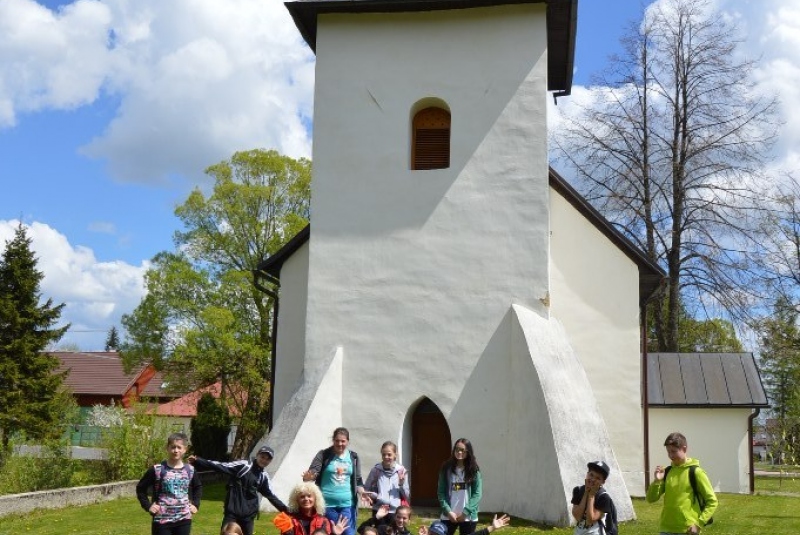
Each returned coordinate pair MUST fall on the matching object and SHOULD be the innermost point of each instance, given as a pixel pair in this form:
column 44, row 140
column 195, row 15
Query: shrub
column 210, row 429
column 133, row 441
column 44, row 467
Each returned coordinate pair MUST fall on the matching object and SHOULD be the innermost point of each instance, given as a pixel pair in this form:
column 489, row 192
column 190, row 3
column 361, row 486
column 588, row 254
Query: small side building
column 712, row 398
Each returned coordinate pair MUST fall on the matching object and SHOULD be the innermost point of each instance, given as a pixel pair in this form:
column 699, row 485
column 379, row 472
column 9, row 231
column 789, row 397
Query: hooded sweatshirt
column 385, row 482
column 681, row 509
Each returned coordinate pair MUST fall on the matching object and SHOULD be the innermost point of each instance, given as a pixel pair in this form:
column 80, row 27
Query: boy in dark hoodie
column 247, row 480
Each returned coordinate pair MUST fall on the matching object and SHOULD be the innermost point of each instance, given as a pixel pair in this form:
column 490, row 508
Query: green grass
column 738, row 515
column 772, row 484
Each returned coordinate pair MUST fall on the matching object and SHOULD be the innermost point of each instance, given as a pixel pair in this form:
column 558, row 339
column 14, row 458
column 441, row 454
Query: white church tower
column 451, row 285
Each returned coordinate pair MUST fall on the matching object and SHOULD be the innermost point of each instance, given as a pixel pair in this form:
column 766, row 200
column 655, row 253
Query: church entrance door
column 430, row 447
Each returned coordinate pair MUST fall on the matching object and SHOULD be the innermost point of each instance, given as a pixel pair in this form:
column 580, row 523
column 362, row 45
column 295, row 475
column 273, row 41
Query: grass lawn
column 738, row 515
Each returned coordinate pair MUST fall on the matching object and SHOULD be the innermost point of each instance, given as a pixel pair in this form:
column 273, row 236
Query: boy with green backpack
column 689, row 499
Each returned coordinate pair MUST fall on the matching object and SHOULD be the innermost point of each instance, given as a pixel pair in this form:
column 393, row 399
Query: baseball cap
column 438, row 528
column 267, row 450
column 600, row 466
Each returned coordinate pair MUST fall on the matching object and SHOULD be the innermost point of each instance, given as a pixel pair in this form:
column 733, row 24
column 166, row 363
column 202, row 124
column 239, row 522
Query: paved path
column 776, row 474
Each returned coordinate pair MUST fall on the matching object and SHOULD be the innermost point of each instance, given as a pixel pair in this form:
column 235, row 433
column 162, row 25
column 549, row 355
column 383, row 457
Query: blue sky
column 111, row 109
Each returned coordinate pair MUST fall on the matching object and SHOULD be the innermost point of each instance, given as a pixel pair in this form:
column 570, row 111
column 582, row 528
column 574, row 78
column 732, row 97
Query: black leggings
column 184, row 527
column 464, row 528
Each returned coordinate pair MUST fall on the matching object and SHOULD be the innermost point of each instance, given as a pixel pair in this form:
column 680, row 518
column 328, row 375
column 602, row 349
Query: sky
column 110, row 110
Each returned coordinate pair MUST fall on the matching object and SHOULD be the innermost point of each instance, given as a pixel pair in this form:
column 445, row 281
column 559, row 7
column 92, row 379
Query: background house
column 712, row 398
column 98, row 378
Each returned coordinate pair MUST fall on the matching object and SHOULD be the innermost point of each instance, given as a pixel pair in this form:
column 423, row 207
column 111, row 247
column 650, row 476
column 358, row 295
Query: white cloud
column 196, row 79
column 771, row 36
column 51, row 60
column 96, row 294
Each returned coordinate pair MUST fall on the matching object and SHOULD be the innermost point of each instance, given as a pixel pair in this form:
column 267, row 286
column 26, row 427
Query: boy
column 681, row 513
column 247, row 480
column 591, row 502
column 176, row 490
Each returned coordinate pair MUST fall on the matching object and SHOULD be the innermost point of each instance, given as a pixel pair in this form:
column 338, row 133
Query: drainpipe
column 257, row 274
column 750, row 419
column 645, row 401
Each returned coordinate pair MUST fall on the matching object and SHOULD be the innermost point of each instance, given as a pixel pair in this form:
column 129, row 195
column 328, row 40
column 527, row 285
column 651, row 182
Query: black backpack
column 693, row 482
column 610, row 526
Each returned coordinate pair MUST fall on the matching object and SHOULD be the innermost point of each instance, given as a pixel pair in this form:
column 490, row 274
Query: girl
column 398, row 526
column 387, row 483
column 306, row 514
column 337, row 472
column 176, row 490
column 459, row 489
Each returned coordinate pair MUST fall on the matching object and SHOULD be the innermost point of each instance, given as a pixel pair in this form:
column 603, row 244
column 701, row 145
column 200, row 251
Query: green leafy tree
column 713, row 335
column 210, row 429
column 29, row 387
column 203, row 320
column 112, row 340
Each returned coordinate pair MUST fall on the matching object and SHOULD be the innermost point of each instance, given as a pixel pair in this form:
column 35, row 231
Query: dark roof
column 101, row 373
column 562, row 17
column 704, row 380
column 650, row 274
column 274, row 263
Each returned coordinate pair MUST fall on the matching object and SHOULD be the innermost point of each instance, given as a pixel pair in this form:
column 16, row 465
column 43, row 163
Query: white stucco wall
column 290, row 349
column 717, row 437
column 413, row 275
column 413, row 272
column 594, row 293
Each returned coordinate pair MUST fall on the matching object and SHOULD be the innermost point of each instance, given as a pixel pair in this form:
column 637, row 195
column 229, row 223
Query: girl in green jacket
column 460, row 488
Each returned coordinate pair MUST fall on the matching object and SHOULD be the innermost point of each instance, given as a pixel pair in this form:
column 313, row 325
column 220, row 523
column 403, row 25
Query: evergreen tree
column 29, row 388
column 210, row 429
column 780, row 365
column 112, row 340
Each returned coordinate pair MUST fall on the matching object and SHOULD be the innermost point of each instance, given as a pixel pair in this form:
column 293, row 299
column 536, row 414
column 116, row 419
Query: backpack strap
column 693, row 482
column 159, row 472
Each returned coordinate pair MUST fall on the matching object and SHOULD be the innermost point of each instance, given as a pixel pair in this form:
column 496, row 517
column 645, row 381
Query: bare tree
column 778, row 253
column 669, row 151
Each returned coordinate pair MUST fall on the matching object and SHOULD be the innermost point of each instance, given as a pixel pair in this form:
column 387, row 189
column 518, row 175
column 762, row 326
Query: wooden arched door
column 430, row 447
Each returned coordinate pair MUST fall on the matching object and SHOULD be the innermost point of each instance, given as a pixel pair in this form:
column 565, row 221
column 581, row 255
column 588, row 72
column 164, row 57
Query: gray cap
column 267, row 450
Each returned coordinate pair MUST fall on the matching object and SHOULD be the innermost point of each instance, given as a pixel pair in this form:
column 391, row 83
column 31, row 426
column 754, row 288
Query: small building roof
column 186, row 405
column 650, row 274
column 703, row 380
column 102, row 373
column 562, row 19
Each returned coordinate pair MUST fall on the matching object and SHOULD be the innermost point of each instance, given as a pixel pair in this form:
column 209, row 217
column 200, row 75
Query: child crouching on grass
column 176, row 490
column 397, row 526
column 440, row 528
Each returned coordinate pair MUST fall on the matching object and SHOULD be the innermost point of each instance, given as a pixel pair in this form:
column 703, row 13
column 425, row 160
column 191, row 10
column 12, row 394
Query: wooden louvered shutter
column 431, row 143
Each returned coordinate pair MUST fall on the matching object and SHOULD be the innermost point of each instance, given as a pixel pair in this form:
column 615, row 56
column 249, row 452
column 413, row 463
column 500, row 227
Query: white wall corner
column 304, row 425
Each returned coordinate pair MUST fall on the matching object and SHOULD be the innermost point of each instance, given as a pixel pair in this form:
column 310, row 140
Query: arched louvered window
column 430, row 146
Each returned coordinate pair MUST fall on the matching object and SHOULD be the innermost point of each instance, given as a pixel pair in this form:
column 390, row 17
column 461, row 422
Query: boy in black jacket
column 247, row 480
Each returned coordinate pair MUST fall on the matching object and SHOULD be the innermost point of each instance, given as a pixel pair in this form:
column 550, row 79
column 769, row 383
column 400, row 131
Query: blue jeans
column 335, row 513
